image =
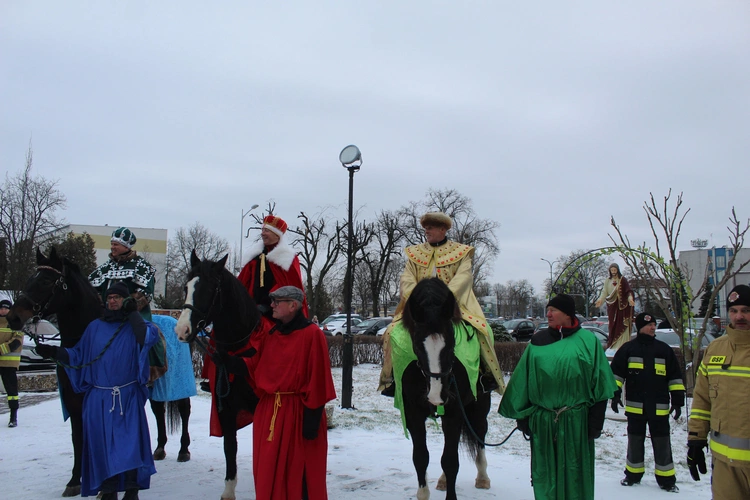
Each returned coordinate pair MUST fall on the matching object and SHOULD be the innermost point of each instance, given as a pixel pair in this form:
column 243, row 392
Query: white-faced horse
column 215, row 297
column 436, row 364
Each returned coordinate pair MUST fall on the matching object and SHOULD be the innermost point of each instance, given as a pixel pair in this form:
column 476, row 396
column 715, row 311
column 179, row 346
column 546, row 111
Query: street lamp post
column 242, row 227
column 549, row 295
column 351, row 158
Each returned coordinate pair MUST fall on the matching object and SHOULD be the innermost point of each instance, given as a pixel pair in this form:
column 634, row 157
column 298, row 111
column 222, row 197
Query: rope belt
column 276, row 406
column 559, row 411
column 116, row 395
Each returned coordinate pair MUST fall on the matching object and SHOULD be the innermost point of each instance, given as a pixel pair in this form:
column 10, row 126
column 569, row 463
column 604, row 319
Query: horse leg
column 74, row 405
column 420, row 455
column 449, row 461
column 158, row 409
column 183, row 405
column 228, row 420
column 477, row 415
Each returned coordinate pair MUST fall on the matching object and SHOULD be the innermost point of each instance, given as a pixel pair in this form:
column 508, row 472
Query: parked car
column 600, row 334
column 541, row 326
column 338, row 326
column 520, row 329
column 371, row 326
column 337, row 316
column 670, row 337
column 46, row 332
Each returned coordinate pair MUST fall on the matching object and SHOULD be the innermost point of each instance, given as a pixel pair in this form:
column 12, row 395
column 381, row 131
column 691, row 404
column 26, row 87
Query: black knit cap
column 739, row 296
column 564, row 303
column 118, row 289
column 6, row 303
column 643, row 319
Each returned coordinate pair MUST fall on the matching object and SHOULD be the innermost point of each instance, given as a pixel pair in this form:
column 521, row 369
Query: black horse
column 215, row 297
column 438, row 384
column 58, row 287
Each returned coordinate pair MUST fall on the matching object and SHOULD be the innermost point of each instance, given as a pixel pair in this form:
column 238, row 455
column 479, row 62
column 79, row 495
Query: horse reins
column 468, row 424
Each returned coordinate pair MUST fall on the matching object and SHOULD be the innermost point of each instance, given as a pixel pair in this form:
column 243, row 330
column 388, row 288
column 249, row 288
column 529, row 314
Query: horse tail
column 469, row 441
column 173, row 417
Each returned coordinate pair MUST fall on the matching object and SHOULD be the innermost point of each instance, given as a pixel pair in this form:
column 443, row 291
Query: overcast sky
column 551, row 116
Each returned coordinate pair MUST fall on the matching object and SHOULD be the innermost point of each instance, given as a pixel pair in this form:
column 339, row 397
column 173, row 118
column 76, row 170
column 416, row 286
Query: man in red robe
column 271, row 264
column 291, row 374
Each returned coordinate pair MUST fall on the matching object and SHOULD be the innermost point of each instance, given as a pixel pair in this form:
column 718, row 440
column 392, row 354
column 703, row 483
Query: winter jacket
column 721, row 399
column 651, row 371
column 11, row 344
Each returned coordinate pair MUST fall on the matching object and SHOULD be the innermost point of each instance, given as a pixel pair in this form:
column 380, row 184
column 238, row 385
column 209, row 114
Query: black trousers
column 10, row 381
column 111, row 484
column 660, row 441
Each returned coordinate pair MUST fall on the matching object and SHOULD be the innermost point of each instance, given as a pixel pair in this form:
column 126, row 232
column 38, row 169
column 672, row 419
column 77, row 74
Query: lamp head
column 351, row 157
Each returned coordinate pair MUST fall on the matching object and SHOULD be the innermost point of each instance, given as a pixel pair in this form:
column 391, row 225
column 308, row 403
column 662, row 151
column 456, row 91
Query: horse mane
column 431, row 308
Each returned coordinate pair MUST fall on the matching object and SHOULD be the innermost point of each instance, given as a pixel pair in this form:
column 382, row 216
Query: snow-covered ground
column 369, row 457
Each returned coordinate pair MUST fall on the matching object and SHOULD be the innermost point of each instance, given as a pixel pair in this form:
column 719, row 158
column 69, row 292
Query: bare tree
column 581, row 274
column 519, row 296
column 377, row 258
column 658, row 266
column 320, row 242
column 207, row 245
column 27, row 215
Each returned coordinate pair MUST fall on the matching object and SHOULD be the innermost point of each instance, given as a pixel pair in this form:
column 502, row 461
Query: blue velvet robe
column 115, row 429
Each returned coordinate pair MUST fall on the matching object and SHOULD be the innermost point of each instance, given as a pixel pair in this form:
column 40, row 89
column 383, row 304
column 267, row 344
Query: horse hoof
column 441, row 484
column 423, row 493
column 183, row 456
column 160, row 454
column 72, row 491
column 482, row 484
column 229, row 487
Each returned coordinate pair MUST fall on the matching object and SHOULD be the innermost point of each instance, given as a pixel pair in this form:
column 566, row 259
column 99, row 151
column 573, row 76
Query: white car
column 338, row 326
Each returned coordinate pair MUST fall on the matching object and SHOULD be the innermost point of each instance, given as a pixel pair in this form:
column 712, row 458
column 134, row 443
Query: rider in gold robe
column 451, row 262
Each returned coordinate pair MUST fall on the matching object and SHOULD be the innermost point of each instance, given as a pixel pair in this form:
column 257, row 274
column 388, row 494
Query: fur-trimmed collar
column 282, row 254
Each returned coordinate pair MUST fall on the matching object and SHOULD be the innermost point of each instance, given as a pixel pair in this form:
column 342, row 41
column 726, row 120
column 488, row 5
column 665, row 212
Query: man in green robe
column 558, row 394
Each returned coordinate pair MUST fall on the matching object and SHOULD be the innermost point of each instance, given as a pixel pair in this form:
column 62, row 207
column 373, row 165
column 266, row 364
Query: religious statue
column 617, row 294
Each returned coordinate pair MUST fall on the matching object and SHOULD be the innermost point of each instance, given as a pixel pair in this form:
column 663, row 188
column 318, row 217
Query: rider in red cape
column 291, row 374
column 269, row 265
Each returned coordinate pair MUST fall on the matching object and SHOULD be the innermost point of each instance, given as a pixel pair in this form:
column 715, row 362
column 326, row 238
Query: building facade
column 713, row 262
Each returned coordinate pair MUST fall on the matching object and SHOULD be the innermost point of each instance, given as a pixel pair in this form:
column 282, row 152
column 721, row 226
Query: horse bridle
column 39, row 308
column 203, row 318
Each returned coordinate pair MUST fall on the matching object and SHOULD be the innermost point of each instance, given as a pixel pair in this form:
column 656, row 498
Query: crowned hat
column 275, row 224
column 124, row 237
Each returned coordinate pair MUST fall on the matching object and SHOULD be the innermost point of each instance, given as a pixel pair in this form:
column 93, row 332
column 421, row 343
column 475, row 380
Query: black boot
column 131, row 494
column 13, row 418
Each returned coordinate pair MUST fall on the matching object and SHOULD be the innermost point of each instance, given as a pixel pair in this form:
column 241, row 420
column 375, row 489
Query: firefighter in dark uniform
column 651, row 373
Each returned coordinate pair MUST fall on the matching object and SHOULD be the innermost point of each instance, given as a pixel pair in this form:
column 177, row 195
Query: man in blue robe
column 110, row 365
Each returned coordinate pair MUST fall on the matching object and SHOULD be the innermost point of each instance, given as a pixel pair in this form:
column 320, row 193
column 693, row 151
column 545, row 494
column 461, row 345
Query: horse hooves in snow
column 160, row 454
column 183, row 456
column 441, row 484
column 482, row 484
column 72, row 491
column 229, row 488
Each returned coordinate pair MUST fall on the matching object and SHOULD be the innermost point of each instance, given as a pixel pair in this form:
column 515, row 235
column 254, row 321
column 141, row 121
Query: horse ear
column 39, row 256
column 54, row 258
column 222, row 263
column 194, row 260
